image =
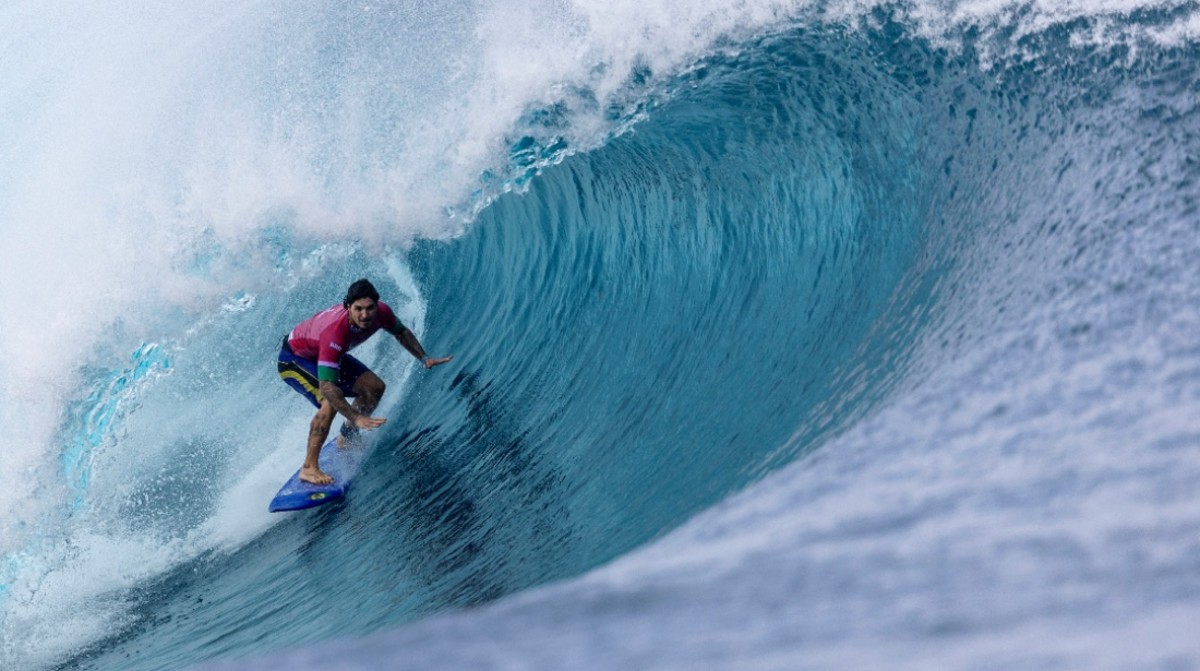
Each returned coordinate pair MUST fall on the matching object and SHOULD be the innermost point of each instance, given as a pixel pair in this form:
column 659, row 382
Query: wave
column 674, row 249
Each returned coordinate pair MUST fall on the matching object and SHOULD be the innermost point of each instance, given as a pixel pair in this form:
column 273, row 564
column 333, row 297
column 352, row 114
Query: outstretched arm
column 337, row 399
column 409, row 341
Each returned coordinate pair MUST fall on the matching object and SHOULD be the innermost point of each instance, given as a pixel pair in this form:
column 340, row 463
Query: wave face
column 798, row 335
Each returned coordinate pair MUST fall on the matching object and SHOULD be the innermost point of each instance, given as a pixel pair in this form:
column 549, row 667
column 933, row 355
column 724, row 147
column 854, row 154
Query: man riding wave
column 314, row 360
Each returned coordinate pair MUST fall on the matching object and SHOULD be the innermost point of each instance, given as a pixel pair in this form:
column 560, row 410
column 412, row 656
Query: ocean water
column 786, row 335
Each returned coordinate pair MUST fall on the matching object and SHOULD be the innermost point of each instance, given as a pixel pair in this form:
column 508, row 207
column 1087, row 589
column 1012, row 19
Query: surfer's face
column 362, row 312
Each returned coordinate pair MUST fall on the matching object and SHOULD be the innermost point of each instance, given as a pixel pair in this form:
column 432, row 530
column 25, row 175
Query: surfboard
column 342, row 464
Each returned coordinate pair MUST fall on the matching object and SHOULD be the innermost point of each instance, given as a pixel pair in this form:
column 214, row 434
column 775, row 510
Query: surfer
column 314, row 361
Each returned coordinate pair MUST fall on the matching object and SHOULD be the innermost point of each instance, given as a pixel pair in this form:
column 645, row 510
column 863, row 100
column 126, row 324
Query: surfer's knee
column 371, row 386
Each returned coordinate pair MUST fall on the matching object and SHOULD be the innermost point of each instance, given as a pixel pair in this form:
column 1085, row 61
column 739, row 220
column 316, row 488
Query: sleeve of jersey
column 329, row 360
column 388, row 319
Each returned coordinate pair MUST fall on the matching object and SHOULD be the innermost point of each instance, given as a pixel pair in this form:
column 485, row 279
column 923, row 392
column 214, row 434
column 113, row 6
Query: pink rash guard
column 327, row 335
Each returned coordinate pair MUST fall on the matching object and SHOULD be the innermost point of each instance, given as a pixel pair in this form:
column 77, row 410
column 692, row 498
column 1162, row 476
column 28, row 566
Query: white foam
column 147, row 147
column 241, row 514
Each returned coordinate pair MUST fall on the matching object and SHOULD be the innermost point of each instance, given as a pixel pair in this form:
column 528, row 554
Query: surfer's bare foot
column 315, row 476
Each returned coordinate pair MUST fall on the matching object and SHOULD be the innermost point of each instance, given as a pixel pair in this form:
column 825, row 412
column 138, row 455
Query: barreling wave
column 685, row 271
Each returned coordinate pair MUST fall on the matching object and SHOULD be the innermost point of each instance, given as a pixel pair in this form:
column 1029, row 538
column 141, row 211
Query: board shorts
column 301, row 374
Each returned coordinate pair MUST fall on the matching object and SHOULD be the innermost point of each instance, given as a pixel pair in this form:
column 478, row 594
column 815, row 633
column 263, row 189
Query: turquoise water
column 799, row 337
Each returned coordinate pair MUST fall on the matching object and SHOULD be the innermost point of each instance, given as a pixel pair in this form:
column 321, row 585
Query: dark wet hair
column 360, row 289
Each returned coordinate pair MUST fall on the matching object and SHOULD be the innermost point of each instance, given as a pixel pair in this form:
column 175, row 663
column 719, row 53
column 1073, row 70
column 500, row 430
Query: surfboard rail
column 341, row 463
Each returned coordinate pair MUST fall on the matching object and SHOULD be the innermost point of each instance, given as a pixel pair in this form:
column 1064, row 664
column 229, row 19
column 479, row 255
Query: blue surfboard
column 341, row 464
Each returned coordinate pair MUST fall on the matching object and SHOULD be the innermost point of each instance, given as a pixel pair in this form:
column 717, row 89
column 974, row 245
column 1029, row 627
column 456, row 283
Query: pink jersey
column 327, row 335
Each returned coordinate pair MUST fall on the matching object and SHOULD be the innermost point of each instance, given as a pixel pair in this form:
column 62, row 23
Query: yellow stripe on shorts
column 303, row 380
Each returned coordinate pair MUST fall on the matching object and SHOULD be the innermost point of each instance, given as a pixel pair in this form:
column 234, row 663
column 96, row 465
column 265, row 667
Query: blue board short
column 301, row 374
